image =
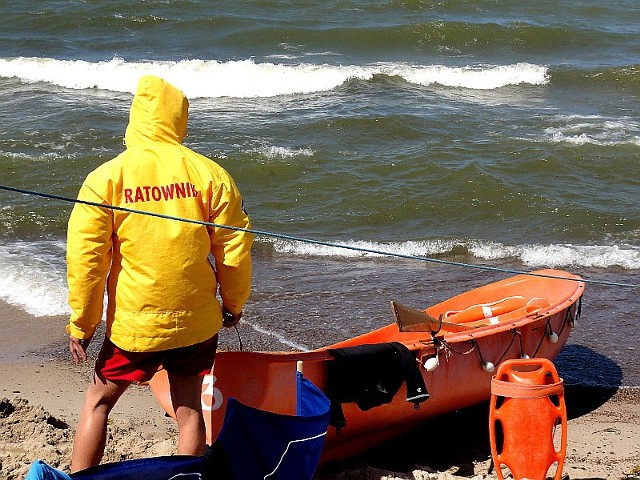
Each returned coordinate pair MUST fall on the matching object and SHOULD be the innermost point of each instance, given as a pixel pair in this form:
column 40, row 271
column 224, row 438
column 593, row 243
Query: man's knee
column 103, row 393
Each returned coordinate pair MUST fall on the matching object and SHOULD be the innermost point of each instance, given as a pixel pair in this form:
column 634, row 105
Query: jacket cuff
column 75, row 332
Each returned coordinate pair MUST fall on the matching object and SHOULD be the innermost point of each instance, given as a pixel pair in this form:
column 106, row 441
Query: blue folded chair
column 265, row 445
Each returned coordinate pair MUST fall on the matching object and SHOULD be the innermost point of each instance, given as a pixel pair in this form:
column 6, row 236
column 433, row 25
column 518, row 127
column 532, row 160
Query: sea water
column 494, row 134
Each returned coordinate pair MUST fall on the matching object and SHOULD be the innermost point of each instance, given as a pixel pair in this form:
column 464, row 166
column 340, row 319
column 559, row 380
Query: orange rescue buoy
column 532, row 307
column 485, row 310
column 527, row 407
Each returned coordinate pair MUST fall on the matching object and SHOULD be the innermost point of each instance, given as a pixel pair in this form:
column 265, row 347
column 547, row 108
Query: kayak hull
column 461, row 378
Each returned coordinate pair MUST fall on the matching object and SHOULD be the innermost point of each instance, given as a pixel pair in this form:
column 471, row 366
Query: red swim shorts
column 116, row 364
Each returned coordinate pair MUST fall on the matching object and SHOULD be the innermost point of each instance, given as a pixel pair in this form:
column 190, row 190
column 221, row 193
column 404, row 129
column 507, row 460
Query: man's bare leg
column 91, row 434
column 186, row 396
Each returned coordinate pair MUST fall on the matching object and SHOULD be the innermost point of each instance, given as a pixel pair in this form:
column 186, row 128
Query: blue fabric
column 184, row 467
column 181, row 467
column 252, row 445
column 266, row 445
column 41, row 471
column 311, row 400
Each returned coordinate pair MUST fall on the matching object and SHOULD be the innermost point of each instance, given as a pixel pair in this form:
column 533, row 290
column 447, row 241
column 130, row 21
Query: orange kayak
column 457, row 344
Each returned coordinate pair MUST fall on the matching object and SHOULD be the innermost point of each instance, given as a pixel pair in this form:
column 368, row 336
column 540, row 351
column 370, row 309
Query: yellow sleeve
column 89, row 250
column 231, row 248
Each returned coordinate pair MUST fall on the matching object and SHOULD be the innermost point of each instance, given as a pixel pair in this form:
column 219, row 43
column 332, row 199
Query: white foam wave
column 587, row 256
column 281, row 338
column 594, row 130
column 584, row 139
column 363, row 248
column 600, row 256
column 477, row 77
column 32, row 276
column 40, row 157
column 276, row 153
column 245, row 78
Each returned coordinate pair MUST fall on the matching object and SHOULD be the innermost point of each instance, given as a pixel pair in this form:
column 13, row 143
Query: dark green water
column 488, row 133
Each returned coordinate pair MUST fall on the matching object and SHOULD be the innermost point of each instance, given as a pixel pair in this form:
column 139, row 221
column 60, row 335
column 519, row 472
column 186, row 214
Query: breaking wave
column 247, row 79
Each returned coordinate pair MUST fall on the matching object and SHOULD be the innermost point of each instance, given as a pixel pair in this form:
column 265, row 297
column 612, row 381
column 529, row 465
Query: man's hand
column 78, row 349
column 229, row 319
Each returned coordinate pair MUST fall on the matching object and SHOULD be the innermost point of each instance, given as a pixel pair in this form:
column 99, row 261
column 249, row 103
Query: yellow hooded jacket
column 161, row 287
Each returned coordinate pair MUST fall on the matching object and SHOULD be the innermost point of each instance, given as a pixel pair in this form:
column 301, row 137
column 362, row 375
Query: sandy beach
column 41, row 394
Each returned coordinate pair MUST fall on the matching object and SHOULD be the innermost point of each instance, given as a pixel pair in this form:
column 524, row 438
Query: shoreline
column 28, row 338
column 41, row 394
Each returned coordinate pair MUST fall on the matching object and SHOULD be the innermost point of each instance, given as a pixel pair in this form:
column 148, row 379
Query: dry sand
column 40, row 399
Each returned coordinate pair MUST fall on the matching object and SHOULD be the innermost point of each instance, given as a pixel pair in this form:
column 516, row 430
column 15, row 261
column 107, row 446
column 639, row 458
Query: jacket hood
column 159, row 113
